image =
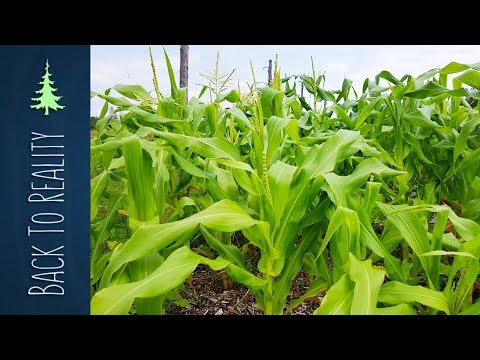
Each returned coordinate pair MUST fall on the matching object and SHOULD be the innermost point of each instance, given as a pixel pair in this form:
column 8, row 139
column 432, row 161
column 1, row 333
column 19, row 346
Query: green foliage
column 375, row 197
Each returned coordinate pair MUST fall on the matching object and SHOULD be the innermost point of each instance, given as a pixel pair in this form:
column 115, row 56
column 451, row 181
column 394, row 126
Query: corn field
column 372, row 194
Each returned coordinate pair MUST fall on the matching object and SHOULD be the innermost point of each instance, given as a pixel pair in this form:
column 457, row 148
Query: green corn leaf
column 369, row 238
column 121, row 276
column 259, row 235
column 101, row 231
column 368, row 281
column 412, row 140
column 244, row 277
column 372, row 189
column 107, row 146
column 107, row 157
column 117, row 163
column 143, row 267
column 322, row 159
column 325, row 95
column 411, row 229
column 139, row 270
column 99, row 267
column 366, row 111
column 104, row 111
column 135, row 92
column 336, row 188
column 342, row 115
column 346, row 85
column 120, row 102
column 207, row 147
column 285, row 236
column 429, row 193
column 240, row 116
column 450, row 242
column 443, row 253
column 171, row 75
column 211, row 116
column 283, row 283
column 228, row 252
column 436, row 244
column 418, row 119
column 251, row 183
column 431, row 89
column 161, row 181
column 470, row 78
column 232, row 96
column 317, row 213
column 275, row 127
column 271, row 101
column 457, row 289
column 216, row 190
column 316, row 287
column 367, row 167
column 140, row 200
column 342, row 216
column 190, row 168
column 224, row 215
column 472, row 309
column 468, row 275
column 400, row 309
column 467, row 228
column 455, row 67
column 338, row 299
column 461, row 142
column 225, row 180
column 309, row 265
column 98, row 186
column 179, row 208
column 245, row 182
column 280, row 176
column 166, row 108
column 102, row 123
column 472, row 210
column 394, row 293
column 179, row 265
column 387, row 75
column 148, row 119
column 361, row 145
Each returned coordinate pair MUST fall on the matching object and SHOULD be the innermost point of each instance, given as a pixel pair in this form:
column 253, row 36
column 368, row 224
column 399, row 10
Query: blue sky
column 130, row 64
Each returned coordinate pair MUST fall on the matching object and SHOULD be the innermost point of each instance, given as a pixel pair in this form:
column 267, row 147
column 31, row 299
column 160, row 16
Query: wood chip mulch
column 206, row 295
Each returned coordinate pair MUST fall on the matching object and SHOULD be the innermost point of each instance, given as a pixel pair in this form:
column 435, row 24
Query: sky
column 130, row 64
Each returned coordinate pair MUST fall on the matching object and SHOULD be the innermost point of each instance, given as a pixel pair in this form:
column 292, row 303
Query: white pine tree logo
column 47, row 100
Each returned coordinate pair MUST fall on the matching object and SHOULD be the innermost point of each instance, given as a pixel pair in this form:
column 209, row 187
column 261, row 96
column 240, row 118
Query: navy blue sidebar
column 44, row 159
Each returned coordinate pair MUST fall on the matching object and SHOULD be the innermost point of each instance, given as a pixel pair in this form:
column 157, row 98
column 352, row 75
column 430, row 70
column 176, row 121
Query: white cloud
column 337, row 67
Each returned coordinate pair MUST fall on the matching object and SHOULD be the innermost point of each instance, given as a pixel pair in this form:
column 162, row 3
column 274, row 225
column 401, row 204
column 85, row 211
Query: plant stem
column 405, row 252
column 269, row 297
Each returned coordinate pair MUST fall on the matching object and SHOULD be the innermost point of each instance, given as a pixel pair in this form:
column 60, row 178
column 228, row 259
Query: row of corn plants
column 374, row 195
